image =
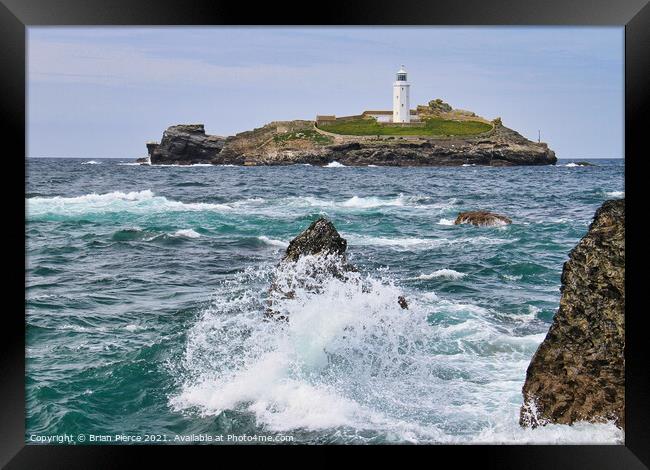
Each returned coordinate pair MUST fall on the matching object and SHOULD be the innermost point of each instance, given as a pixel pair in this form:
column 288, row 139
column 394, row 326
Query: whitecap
column 444, row 273
column 446, row 222
column 273, row 242
column 334, row 165
column 187, row 233
column 117, row 201
column 91, row 162
column 615, row 194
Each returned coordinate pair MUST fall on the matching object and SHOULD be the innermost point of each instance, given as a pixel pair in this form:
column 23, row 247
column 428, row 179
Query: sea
column 146, row 290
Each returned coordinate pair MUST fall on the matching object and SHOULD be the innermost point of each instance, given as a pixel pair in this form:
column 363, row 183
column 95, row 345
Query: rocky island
column 438, row 136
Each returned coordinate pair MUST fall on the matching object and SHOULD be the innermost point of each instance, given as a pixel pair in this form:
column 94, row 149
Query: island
column 434, row 134
column 305, row 142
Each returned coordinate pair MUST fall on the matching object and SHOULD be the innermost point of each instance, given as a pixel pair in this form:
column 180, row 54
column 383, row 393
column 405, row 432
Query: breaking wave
column 445, row 273
column 117, row 201
column 351, row 363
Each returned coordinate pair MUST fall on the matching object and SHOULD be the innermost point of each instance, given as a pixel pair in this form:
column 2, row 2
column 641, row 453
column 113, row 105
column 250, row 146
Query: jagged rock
column 578, row 372
column 320, row 239
column 184, row 145
column 481, row 218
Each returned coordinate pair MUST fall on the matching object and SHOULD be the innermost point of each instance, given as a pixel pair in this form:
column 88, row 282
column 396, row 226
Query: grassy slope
column 433, row 127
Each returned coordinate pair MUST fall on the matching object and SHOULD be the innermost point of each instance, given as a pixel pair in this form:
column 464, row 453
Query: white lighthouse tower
column 401, row 110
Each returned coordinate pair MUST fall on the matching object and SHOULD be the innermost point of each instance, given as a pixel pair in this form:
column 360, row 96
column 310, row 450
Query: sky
column 103, row 92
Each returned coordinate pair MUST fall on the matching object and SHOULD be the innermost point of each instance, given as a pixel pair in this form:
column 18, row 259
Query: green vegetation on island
column 430, row 127
column 303, row 134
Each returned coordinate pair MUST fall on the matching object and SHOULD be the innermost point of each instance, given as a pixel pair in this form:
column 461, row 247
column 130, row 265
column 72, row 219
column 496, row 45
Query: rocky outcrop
column 577, row 374
column 320, row 240
column 482, row 218
column 185, row 145
column 299, row 142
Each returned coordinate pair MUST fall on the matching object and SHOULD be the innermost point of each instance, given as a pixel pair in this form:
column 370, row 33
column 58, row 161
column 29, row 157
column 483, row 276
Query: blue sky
column 104, row 92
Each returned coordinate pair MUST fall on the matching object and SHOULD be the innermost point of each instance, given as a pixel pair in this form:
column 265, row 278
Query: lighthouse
column 401, row 110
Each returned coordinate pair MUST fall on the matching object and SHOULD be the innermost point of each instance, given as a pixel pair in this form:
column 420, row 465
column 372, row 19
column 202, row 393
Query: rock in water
column 185, row 144
column 323, row 242
column 481, row 218
column 578, row 372
column 320, row 238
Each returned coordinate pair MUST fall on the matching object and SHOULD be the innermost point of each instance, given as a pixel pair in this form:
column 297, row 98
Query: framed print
column 389, row 226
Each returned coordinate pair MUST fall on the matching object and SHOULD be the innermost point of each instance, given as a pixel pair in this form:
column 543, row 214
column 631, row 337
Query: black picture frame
column 17, row 15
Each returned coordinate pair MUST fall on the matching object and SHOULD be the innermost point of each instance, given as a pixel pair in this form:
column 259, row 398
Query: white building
column 401, row 109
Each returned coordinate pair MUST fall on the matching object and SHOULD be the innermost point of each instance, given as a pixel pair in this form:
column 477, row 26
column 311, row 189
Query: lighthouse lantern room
column 401, row 109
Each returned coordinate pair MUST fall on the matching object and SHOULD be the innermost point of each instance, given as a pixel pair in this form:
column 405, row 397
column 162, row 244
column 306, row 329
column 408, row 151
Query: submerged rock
column 578, row 372
column 481, row 218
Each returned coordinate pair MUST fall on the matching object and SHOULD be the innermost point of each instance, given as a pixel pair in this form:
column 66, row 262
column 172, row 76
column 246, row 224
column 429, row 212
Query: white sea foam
column 274, row 242
column 353, row 365
column 615, row 194
column 446, row 222
column 334, row 165
column 91, row 162
column 187, row 233
column 135, row 201
column 415, row 243
column 370, row 202
column 360, row 202
column 444, row 273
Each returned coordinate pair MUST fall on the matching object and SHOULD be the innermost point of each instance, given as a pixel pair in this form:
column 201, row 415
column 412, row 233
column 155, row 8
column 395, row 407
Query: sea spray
column 350, row 362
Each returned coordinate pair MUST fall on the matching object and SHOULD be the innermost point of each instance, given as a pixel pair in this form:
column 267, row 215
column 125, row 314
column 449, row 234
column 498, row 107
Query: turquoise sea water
column 146, row 286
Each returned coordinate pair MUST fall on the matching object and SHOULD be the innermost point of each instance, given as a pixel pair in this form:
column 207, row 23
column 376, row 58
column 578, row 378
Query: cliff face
column 294, row 142
column 578, row 372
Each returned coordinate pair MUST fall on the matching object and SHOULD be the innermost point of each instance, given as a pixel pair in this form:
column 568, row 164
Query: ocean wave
column 444, row 273
column 135, row 202
column 351, row 359
column 91, row 162
column 273, row 242
column 334, row 165
column 410, row 243
column 615, row 194
column 446, row 222
column 364, row 202
column 187, row 233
